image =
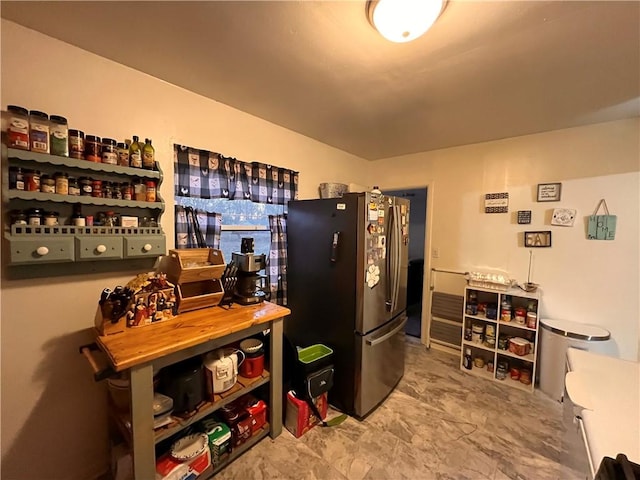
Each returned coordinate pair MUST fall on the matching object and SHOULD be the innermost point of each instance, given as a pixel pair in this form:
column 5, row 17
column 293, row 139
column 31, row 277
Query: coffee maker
column 250, row 284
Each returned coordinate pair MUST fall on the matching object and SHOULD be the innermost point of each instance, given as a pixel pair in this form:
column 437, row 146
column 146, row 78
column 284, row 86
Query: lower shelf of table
column 255, row 438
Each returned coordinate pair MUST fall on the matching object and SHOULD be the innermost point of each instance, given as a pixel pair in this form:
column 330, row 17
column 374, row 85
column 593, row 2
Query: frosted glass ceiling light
column 403, row 20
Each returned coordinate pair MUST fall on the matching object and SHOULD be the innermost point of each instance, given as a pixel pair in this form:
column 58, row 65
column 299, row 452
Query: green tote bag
column 602, row 227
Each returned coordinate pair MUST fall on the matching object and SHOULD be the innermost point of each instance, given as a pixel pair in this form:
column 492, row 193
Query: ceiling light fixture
column 403, row 20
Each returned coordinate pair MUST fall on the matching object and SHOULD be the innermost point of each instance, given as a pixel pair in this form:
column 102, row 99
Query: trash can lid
column 579, row 331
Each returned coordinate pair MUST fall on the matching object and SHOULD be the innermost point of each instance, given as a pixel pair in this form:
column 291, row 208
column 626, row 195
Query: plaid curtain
column 203, row 174
column 277, row 269
column 210, row 226
column 271, row 184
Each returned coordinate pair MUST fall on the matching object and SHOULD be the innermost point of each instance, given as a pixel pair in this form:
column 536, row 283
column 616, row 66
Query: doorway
column 417, row 233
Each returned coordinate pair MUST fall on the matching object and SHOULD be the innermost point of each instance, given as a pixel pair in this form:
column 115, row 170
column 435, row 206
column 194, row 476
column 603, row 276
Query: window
column 240, row 218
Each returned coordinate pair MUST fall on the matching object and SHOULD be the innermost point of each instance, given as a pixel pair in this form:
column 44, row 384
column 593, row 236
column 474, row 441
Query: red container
column 258, row 412
column 252, row 366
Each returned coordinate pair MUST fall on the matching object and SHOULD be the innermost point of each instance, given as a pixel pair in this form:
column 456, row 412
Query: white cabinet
column 500, row 333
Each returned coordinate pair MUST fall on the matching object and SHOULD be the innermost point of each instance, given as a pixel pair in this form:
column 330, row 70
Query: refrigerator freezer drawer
column 382, row 365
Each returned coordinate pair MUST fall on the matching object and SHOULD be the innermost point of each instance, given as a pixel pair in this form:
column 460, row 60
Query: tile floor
column 439, row 423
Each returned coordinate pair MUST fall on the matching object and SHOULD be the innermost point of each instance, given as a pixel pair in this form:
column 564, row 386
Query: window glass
column 240, row 218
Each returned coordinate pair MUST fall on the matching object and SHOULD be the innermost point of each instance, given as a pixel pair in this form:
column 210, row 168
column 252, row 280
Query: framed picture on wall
column 537, row 239
column 549, row 192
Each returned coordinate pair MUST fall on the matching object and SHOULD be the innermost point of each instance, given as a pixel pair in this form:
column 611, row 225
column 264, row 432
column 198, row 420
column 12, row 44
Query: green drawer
column 144, row 246
column 35, row 250
column 104, row 247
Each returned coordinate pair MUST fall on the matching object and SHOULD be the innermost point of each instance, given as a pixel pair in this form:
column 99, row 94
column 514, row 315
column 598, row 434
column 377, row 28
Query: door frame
column 425, row 320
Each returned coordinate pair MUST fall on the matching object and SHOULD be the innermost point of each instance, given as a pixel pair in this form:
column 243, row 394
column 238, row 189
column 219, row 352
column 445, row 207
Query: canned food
column 32, row 180
column 97, row 188
column 62, row 183
column 109, row 152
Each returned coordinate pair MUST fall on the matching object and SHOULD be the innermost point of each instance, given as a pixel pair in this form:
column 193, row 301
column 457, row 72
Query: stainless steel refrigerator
column 347, row 282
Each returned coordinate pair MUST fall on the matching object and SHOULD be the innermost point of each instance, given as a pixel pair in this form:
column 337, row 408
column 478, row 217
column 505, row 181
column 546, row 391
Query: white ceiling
column 485, row 71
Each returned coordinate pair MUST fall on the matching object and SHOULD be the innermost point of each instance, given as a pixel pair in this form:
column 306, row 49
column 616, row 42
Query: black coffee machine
column 250, row 286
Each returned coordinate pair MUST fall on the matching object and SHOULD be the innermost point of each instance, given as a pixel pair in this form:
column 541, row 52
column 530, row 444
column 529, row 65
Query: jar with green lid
column 76, row 144
column 59, row 136
column 47, row 184
column 39, row 131
column 62, row 183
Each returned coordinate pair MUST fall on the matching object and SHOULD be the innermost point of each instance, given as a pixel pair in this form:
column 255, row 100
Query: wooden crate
column 200, row 294
column 194, row 265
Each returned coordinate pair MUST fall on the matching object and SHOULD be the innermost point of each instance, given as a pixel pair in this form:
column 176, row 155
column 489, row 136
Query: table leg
column 275, row 384
column 144, row 461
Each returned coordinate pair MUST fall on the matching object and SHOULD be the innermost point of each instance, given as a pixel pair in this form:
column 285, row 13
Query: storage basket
column 333, row 190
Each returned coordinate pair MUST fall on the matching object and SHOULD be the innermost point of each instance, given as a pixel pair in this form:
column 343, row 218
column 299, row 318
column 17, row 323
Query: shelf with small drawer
column 62, row 243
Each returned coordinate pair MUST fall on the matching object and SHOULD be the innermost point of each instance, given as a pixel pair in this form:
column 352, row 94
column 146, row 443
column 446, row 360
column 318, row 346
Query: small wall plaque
column 549, row 192
column 537, row 239
column 524, row 217
column 563, row 217
column 496, row 203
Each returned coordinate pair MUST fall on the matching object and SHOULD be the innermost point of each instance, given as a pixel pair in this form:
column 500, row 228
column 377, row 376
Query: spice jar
column 39, row 131
column 62, row 183
column 532, row 319
column 32, row 180
column 15, row 121
column 109, row 153
column 16, row 178
column 51, row 218
column 116, row 191
column 97, row 188
column 76, row 144
column 107, row 189
column 58, row 136
column 139, row 191
column 86, row 186
column 74, row 186
column 127, row 191
column 35, row 216
column 47, row 184
column 151, row 191
column 123, row 154
column 92, row 148
column 18, row 217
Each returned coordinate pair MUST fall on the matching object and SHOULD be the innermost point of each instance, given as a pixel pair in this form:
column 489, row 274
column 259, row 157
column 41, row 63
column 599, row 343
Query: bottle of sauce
column 466, row 360
column 135, row 153
column 148, row 155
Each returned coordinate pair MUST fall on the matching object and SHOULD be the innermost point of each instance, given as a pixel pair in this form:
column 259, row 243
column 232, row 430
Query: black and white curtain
column 210, row 225
column 277, row 269
column 204, row 174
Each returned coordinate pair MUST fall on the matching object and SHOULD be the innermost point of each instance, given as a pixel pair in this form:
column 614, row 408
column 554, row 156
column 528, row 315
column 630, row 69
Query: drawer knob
column 101, row 249
column 42, row 251
column 147, row 247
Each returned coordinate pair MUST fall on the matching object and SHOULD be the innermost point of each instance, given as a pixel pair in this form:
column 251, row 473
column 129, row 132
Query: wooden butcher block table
column 141, row 350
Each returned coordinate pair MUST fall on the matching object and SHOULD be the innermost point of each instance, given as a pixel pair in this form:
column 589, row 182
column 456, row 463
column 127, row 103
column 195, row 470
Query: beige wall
column 53, row 415
column 581, row 280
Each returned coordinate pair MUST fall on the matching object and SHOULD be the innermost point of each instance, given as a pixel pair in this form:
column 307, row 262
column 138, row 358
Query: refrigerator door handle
column 389, row 274
column 388, row 335
column 334, row 247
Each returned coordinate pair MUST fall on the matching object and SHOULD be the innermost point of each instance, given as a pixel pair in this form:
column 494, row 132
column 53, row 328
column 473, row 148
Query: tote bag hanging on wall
column 602, row 227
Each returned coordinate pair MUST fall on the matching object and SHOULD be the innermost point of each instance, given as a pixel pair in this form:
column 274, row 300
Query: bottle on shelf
column 466, row 361
column 148, row 155
column 135, row 153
